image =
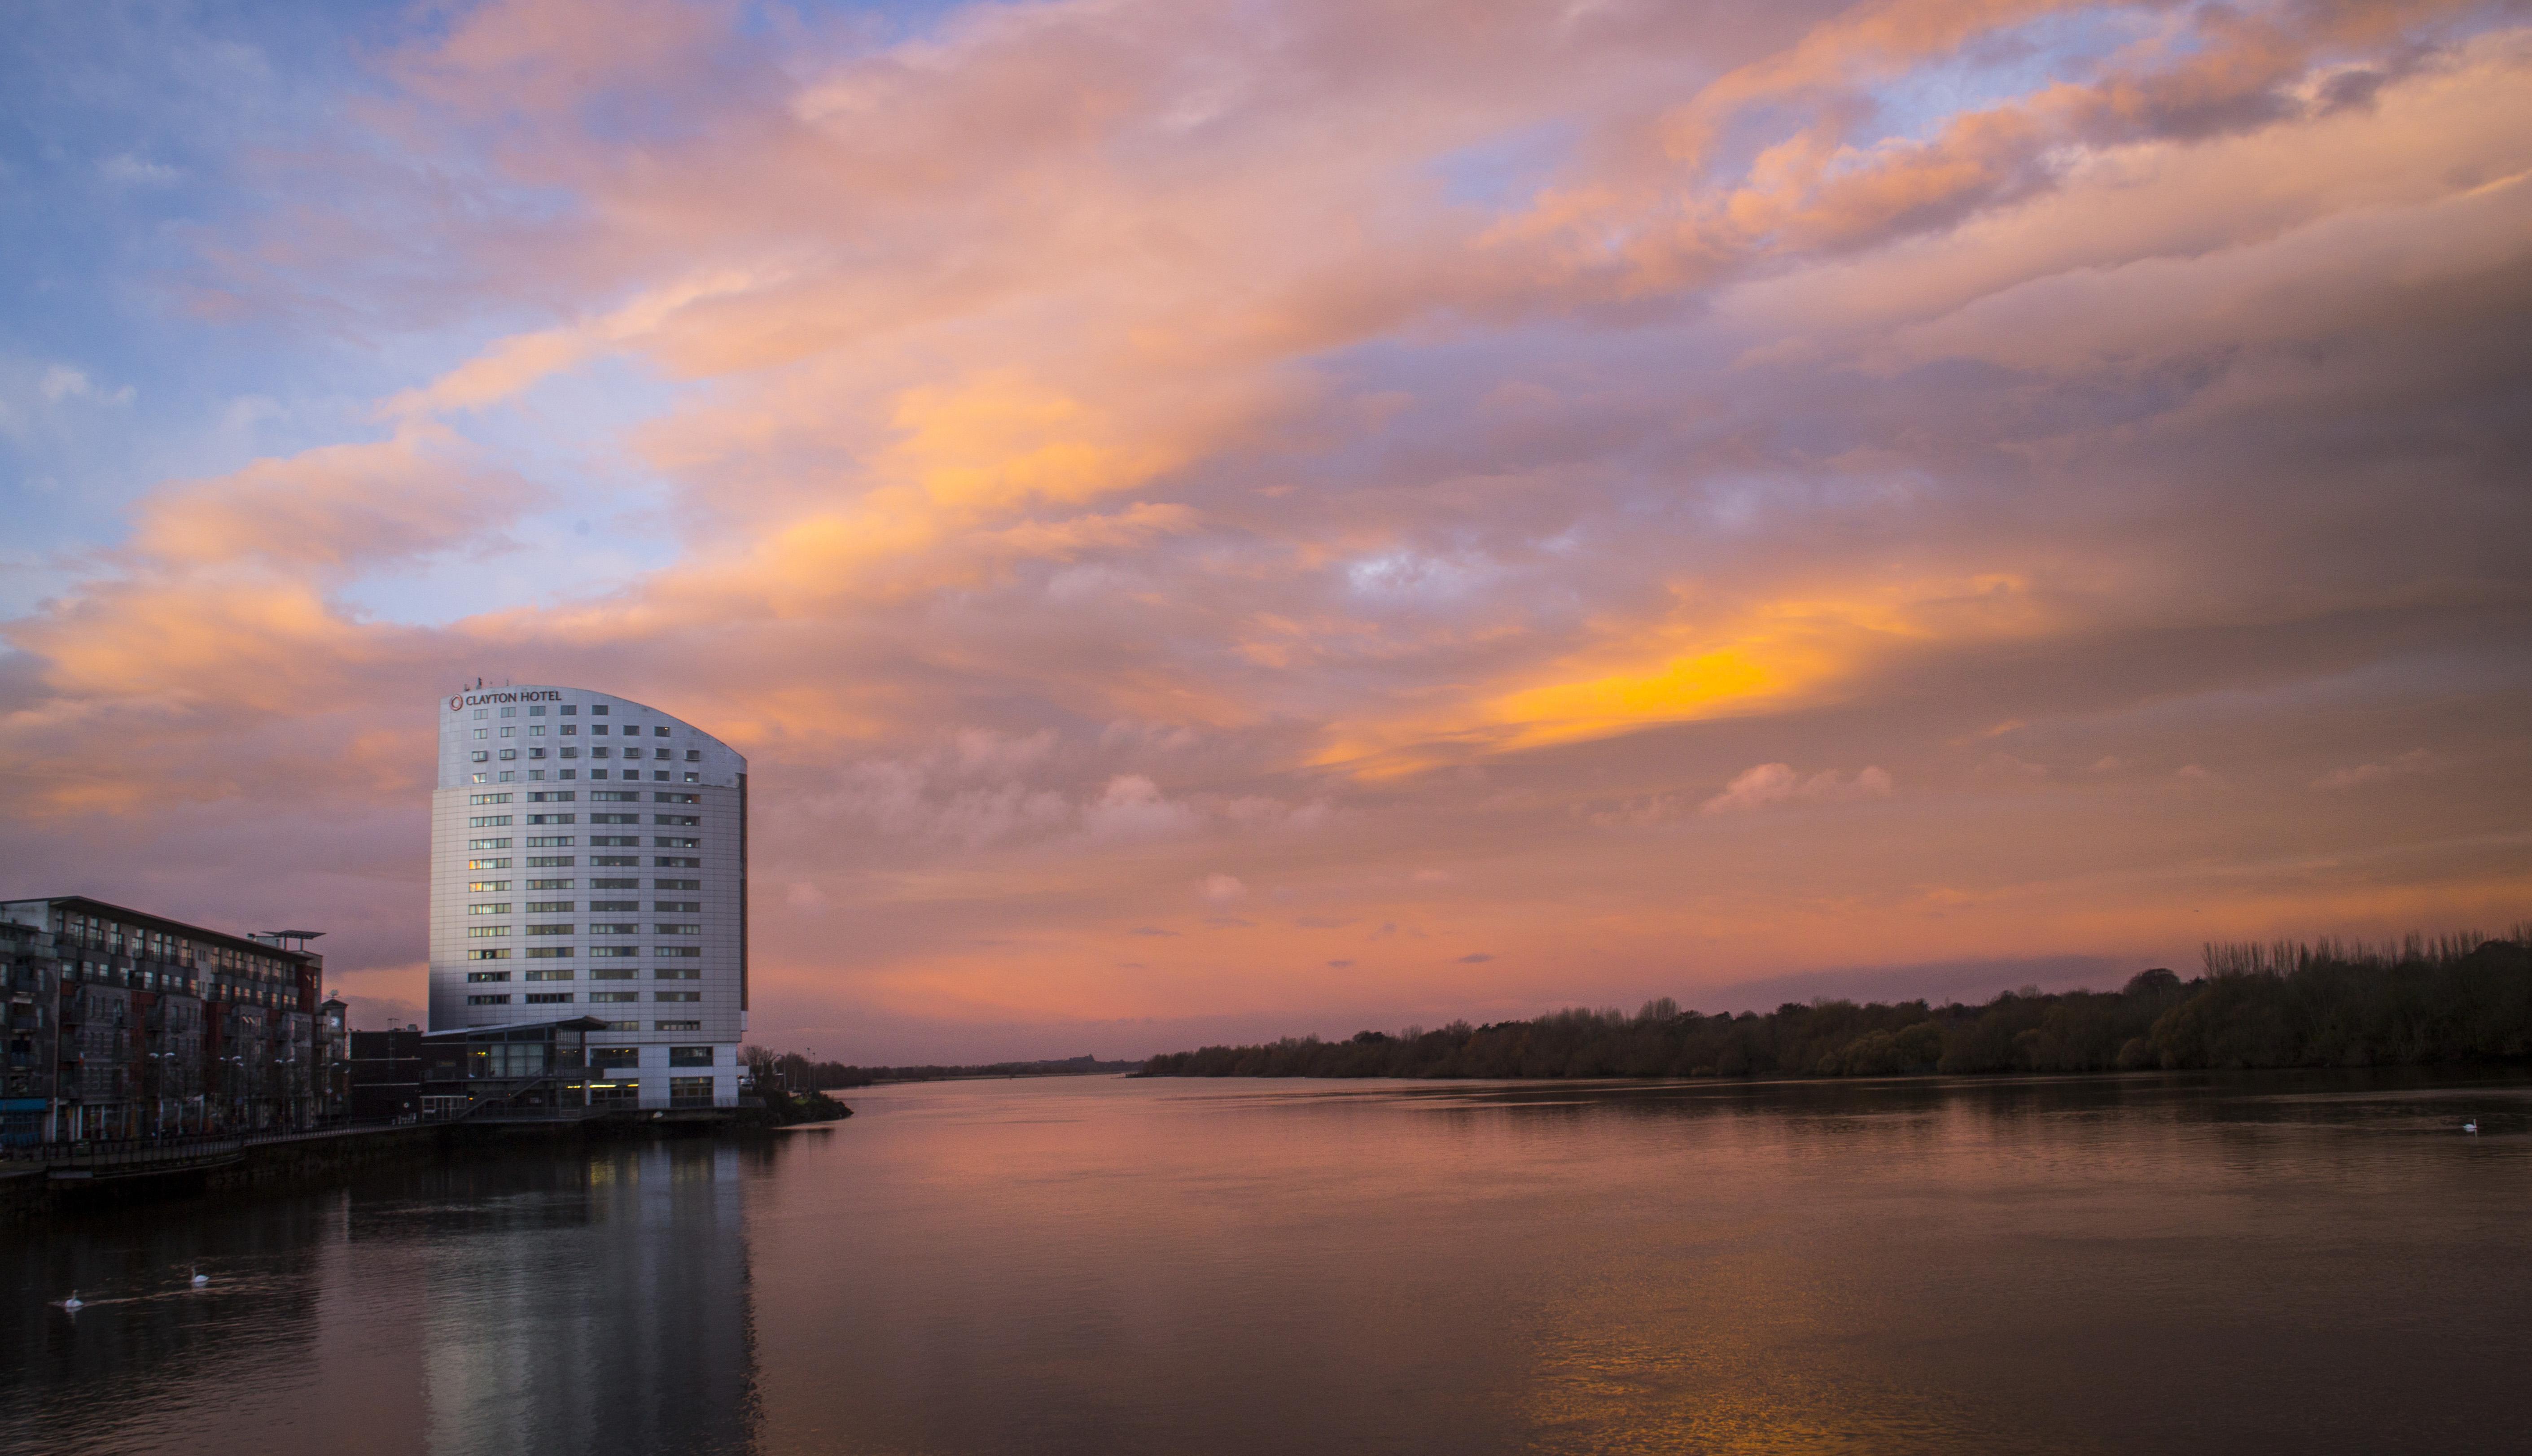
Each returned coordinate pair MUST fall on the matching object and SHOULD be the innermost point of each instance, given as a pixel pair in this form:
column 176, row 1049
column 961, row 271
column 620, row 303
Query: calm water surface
column 2110, row 1264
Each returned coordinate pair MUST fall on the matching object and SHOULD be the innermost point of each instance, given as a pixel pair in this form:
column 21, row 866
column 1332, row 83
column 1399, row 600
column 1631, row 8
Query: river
column 2284, row 1263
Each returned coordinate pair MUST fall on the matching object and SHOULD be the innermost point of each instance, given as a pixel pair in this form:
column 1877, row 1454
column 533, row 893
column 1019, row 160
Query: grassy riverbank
column 2453, row 999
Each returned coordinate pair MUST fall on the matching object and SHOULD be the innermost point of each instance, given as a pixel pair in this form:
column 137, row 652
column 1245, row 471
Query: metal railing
column 129, row 1151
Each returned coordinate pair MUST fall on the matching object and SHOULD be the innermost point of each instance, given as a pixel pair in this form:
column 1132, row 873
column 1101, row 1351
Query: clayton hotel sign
column 472, row 699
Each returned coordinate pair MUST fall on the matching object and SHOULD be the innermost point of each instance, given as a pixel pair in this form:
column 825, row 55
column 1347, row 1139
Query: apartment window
column 548, row 907
column 488, row 863
column 606, row 1058
column 694, row 755
column 677, row 885
column 488, row 1000
column 606, row 952
column 551, row 953
column 488, row 886
column 567, row 774
column 598, row 730
column 569, row 751
column 658, row 733
column 615, row 995
column 549, row 930
column 488, row 798
column 488, row 932
column 550, row 885
column 597, row 709
column 598, row 774
column 546, row 974
column 676, row 995
column 598, row 751
column 673, row 906
column 617, row 928
column 597, row 907
column 675, row 841
column 487, row 821
column 694, row 778
column 487, row 955
column 503, row 908
column 690, row 1056
column 676, row 1025
column 688, row 974
column 678, row 927
column 548, row 998
column 479, row 977
column 484, row 844
column 661, row 775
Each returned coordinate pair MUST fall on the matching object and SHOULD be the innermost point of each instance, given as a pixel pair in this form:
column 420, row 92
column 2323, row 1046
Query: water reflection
column 2063, row 1266
column 490, row 1305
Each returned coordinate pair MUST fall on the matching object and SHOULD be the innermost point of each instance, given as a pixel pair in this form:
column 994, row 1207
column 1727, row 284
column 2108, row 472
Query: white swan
column 2471, row 1126
column 74, row 1303
column 200, row 1278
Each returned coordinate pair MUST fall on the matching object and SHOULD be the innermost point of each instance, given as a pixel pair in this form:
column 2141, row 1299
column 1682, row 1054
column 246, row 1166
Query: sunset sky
column 1224, row 520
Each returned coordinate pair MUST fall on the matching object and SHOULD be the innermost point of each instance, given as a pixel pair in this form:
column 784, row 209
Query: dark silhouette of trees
column 2453, row 999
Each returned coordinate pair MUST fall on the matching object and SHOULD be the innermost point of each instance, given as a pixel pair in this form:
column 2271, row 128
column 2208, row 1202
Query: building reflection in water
column 620, row 1320
column 488, row 1305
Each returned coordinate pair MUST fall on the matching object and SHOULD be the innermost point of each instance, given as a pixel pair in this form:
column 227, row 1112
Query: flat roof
column 186, row 929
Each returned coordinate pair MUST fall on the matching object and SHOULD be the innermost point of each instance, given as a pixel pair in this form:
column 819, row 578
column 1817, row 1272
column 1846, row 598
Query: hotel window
column 482, row 732
column 480, row 756
column 482, row 711
column 535, row 773
column 548, row 998
column 477, row 779
column 549, row 930
column 552, row 841
column 551, row 818
column 569, row 729
column 488, row 886
column 676, row 1025
column 694, row 755
column 488, row 863
column 536, row 752
column 536, row 713
column 509, row 776
column 536, row 730
column 675, row 841
column 550, row 862
column 602, row 907
column 615, row 841
column 488, row 932
column 480, row 976
column 694, row 778
column 678, row 927
column 598, row 730
column 509, row 754
column 597, row 709
column 487, row 955
column 677, row 818
column 598, row 752
column 690, row 1056
column 620, row 862
column 549, row 884
column 616, row 884
column 548, row 907
column 605, row 973
column 608, row 1058
column 488, row 798
column 503, row 907
column 569, row 751
column 547, row 974
column 567, row 709
column 673, row 906
column 677, row 885
column 676, row 798
column 509, row 712
column 484, row 844
column 551, row 796
column 507, row 731
column 551, row 953
column 608, row 952
column 598, row 774
column 615, row 928
column 688, row 974
column 615, row 995
column 675, row 996
column 678, row 862
column 659, row 732
column 489, row 820
column 488, row 1000
column 660, row 774
column 684, row 952
column 568, row 773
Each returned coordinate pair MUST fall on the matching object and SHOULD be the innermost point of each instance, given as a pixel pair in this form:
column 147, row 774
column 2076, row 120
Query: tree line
column 790, row 1069
column 2450, row 999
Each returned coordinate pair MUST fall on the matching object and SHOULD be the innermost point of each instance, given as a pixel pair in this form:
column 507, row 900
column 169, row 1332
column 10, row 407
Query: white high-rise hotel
column 589, row 857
